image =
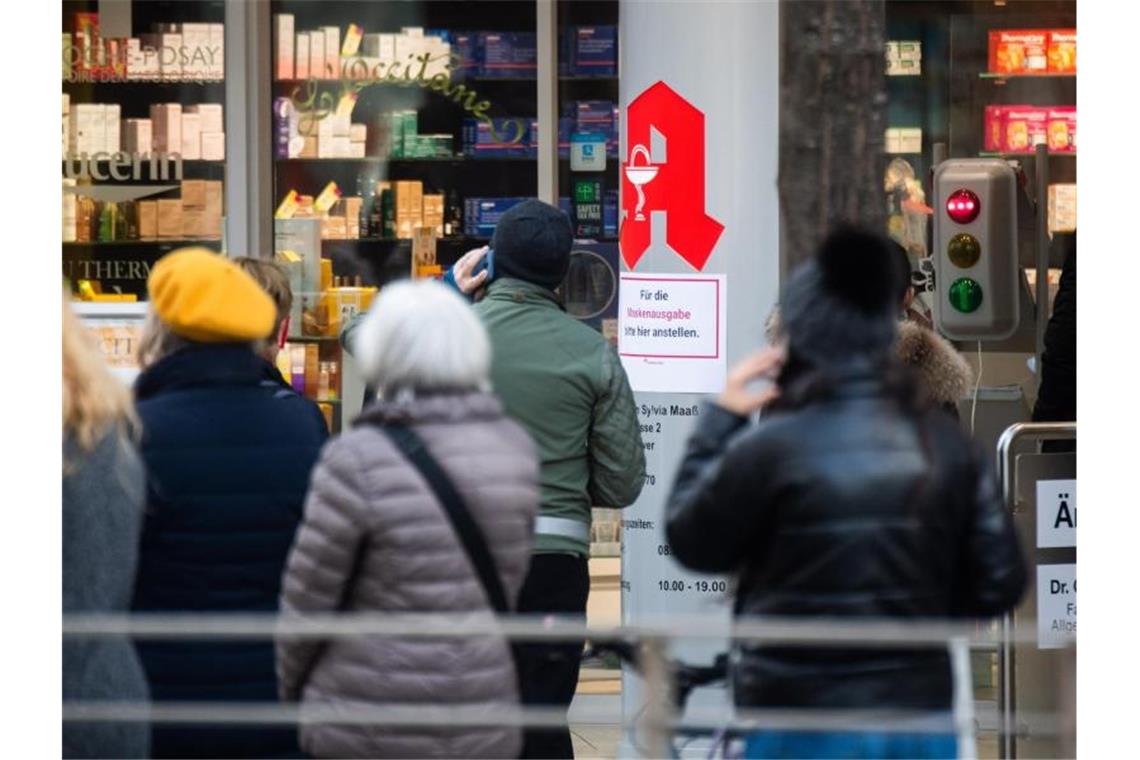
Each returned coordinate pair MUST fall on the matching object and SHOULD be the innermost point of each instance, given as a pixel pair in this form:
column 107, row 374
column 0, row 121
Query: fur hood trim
column 945, row 375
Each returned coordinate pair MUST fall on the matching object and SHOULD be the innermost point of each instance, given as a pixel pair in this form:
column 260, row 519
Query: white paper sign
column 671, row 332
column 1056, row 513
column 1056, row 605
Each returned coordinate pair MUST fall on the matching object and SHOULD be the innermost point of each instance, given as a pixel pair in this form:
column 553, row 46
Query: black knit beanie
column 842, row 303
column 532, row 242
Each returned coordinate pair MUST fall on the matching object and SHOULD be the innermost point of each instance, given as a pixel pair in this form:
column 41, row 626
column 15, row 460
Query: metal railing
column 659, row 721
column 1007, row 697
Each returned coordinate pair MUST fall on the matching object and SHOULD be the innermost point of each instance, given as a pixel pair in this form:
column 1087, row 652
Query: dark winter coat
column 1057, row 395
column 228, row 449
column 376, row 539
column 845, row 507
column 102, row 516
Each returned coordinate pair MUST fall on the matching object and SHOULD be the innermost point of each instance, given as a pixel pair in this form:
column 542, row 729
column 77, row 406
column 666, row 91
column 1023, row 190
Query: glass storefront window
column 144, row 150
column 401, row 131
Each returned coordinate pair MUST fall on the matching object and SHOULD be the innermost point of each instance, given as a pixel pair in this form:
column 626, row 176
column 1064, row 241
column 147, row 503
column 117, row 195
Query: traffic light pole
column 1042, row 158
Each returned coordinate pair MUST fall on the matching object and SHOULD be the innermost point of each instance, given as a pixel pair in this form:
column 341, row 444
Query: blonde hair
column 273, row 280
column 157, row 340
column 94, row 400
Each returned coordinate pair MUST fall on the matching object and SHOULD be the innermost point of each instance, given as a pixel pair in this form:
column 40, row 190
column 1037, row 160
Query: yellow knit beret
column 205, row 297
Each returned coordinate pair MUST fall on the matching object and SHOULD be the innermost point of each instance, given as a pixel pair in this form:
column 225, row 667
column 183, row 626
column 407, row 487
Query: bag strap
column 407, row 441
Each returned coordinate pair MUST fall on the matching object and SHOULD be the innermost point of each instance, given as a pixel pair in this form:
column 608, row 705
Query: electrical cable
column 977, row 384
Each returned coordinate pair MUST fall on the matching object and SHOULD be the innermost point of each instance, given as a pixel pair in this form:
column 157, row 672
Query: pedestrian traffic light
column 975, row 244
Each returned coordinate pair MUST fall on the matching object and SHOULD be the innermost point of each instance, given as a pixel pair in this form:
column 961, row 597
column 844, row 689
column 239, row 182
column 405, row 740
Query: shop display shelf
column 1001, row 78
column 993, row 154
column 160, row 244
column 390, row 160
column 313, row 339
column 158, row 91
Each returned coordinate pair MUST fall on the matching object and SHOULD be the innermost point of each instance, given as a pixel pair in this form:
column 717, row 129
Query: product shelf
column 993, row 154
column 993, row 76
column 171, row 243
column 390, row 160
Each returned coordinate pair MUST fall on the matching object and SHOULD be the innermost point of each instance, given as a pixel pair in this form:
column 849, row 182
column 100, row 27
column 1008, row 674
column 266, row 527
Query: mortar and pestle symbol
column 640, row 175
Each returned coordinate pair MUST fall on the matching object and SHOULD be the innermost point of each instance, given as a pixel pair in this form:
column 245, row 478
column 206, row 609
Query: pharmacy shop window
column 143, row 150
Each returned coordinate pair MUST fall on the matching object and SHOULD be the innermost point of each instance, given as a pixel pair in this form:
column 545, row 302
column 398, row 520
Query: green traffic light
column 965, row 295
column 964, row 250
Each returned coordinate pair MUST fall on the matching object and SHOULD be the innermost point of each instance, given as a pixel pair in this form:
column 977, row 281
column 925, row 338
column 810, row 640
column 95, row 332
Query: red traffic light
column 963, row 206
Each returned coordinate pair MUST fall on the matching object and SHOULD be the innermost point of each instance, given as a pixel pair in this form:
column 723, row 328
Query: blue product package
column 610, row 214
column 508, row 54
column 484, row 214
column 513, row 133
column 595, row 51
column 464, row 55
column 565, row 206
column 565, row 129
column 595, row 116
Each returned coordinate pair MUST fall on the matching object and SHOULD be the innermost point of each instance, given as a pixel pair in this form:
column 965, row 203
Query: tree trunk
column 833, row 101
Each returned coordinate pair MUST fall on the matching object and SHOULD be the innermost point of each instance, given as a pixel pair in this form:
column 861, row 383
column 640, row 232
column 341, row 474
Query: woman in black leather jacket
column 851, row 498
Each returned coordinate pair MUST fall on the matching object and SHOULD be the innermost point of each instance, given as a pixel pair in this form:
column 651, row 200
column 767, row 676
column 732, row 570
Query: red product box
column 86, row 40
column 993, row 126
column 1062, row 52
column 1019, row 51
column 1023, row 127
column 1061, row 126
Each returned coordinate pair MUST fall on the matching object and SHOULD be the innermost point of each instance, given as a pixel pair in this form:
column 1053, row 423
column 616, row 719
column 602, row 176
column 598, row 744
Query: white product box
column 388, row 47
column 403, row 50
column 301, row 70
column 191, row 137
column 166, row 125
column 412, row 31
column 909, row 50
column 901, row 68
column 910, row 140
column 197, row 57
column 283, row 40
column 326, row 138
column 218, row 48
column 332, row 52
column 358, row 132
column 211, row 116
column 81, row 125
column 68, row 212
column 213, row 146
column 112, row 123
column 356, row 150
column 317, row 55
column 169, row 47
column 341, row 125
column 137, row 136
column 440, row 61
column 891, row 141
column 342, row 147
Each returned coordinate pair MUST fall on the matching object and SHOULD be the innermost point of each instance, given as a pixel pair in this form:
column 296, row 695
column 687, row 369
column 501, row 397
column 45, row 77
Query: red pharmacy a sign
column 675, row 186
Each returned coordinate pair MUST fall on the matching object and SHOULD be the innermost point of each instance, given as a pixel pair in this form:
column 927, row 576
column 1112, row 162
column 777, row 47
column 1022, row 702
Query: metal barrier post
column 959, row 647
column 659, row 712
column 1007, row 697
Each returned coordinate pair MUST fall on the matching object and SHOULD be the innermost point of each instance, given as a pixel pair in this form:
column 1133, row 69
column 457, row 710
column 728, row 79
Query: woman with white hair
column 376, row 537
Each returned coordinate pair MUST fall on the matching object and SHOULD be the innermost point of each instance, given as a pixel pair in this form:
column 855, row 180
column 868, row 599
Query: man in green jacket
column 565, row 384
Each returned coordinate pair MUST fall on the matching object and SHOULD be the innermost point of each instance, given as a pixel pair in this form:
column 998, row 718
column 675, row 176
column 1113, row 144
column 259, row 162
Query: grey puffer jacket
column 375, row 539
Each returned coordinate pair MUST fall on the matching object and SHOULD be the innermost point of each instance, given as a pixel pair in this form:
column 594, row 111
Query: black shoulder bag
column 474, row 543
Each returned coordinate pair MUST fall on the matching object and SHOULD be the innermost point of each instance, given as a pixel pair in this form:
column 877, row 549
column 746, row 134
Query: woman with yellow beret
column 228, row 448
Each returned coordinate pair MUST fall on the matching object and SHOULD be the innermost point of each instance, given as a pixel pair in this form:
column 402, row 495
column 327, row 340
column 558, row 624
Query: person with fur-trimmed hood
column 851, row 498
column 944, row 376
